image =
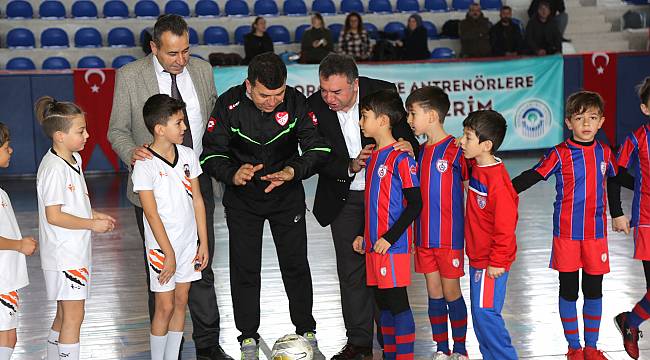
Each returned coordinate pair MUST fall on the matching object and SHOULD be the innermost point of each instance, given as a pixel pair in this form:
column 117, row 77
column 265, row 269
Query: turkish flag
column 93, row 92
column 599, row 71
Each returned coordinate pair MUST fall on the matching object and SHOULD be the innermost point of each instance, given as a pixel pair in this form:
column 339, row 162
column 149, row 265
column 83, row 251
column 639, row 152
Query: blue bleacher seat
column 335, row 29
column 121, row 37
column 194, row 37
column 442, row 53
column 54, row 37
column 21, row 63
column 380, row 6
column 461, row 5
column 122, row 60
column 410, row 6
column 206, row 8
column 300, row 30
column 116, row 9
column 87, row 37
column 432, row 31
column 325, row 7
column 177, row 7
column 395, row 27
column 91, row 62
column 56, row 63
column 637, row 2
column 294, row 8
column 279, row 34
column 19, row 9
column 216, row 35
column 147, row 9
column 51, row 9
column 240, row 32
column 519, row 24
column 372, row 30
column 237, row 8
column 20, row 38
column 436, row 5
column 490, row 4
column 265, row 8
column 348, row 6
column 84, row 9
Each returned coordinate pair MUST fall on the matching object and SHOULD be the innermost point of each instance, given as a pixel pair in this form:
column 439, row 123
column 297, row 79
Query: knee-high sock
column 458, row 318
column 569, row 317
column 53, row 345
column 158, row 344
column 438, row 320
column 388, row 330
column 640, row 312
column 173, row 346
column 69, row 351
column 404, row 335
column 5, row 353
column 591, row 313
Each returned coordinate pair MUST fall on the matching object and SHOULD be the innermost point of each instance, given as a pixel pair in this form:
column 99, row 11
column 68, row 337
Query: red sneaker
column 575, row 354
column 593, row 354
column 630, row 335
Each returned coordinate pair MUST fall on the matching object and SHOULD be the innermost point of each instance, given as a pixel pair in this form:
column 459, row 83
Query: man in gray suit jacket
column 170, row 70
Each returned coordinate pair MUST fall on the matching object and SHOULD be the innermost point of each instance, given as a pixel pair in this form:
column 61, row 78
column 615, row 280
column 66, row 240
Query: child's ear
column 645, row 109
column 433, row 117
column 159, row 130
column 58, row 136
column 601, row 121
column 567, row 121
column 487, row 146
column 384, row 120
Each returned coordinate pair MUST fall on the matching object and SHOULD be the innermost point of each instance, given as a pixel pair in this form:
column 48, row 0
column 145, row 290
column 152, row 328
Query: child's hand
column 28, row 245
column 403, row 145
column 495, row 272
column 357, row 245
column 101, row 226
column 101, row 216
column 381, row 246
column 621, row 223
column 201, row 258
column 169, row 268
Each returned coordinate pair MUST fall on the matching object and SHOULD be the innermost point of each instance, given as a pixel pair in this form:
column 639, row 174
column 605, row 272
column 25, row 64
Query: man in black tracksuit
column 251, row 144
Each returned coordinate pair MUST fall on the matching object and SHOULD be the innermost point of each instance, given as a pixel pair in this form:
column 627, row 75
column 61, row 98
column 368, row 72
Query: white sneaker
column 440, row 356
column 457, row 356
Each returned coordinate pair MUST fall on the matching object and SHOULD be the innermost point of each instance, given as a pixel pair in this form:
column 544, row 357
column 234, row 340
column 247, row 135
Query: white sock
column 53, row 345
column 158, row 344
column 5, row 353
column 173, row 345
column 69, row 351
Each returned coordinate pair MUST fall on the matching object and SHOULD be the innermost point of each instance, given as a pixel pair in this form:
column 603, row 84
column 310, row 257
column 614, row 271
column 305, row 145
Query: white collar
column 160, row 70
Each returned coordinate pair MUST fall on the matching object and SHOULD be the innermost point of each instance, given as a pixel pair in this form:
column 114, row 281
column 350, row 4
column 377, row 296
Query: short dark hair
column 384, row 102
column 169, row 22
column 430, row 98
column 581, row 101
column 488, row 125
column 644, row 91
column 158, row 109
column 55, row 115
column 338, row 64
column 269, row 69
column 506, row 7
column 4, row 134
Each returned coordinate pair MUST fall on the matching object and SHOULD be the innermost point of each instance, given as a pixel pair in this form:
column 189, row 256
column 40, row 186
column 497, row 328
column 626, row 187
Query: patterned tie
column 176, row 94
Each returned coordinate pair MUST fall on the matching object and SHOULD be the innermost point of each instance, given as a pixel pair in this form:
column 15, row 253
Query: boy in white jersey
column 65, row 223
column 13, row 248
column 174, row 217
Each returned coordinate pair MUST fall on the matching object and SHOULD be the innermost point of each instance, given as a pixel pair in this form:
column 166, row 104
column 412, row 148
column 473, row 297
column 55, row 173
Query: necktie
column 176, row 94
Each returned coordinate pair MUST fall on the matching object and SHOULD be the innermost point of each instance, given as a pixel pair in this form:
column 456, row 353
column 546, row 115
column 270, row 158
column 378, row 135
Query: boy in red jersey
column 581, row 166
column 490, row 239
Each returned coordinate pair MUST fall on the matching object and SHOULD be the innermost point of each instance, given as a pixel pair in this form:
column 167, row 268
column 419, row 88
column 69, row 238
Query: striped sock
column 388, row 330
column 438, row 320
column 458, row 317
column 404, row 335
column 640, row 312
column 591, row 313
column 569, row 317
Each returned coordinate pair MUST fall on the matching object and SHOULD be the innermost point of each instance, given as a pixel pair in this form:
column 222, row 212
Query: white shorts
column 9, row 311
column 185, row 272
column 67, row 285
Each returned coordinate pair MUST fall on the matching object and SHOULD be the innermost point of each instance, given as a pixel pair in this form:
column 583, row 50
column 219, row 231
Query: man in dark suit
column 341, row 182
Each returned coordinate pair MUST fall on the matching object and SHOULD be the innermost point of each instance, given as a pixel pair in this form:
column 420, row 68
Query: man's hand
column 201, row 258
column 245, row 174
column 359, row 162
column 621, row 223
column 28, row 245
column 357, row 245
column 381, row 246
column 278, row 178
column 403, row 145
column 169, row 268
column 541, row 52
column 141, row 153
column 495, row 272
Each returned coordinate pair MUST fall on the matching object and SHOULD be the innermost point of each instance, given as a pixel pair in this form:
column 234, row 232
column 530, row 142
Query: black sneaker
column 213, row 353
column 351, row 351
column 630, row 335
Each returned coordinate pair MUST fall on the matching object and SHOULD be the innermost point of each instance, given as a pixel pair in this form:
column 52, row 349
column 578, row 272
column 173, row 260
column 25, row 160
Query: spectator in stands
column 316, row 41
column 415, row 43
column 558, row 13
column 354, row 40
column 542, row 34
column 257, row 41
column 474, row 32
column 505, row 36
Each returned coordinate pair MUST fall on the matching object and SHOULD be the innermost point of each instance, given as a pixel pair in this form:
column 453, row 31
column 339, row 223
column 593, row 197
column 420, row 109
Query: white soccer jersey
column 61, row 183
column 14, row 268
column 172, row 189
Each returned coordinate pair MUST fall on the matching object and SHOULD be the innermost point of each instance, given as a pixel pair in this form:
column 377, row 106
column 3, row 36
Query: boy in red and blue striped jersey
column 439, row 252
column 392, row 202
column 581, row 166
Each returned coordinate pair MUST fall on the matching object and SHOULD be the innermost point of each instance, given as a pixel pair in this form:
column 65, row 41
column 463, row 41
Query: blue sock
column 388, row 331
column 569, row 317
column 640, row 312
column 458, row 318
column 591, row 313
column 438, row 320
column 404, row 335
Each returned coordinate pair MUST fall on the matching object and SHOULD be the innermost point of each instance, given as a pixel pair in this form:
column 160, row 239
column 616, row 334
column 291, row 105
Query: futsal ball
column 292, row 347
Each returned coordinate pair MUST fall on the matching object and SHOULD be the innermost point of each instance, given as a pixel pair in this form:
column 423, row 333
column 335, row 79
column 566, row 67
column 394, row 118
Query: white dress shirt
column 349, row 121
column 191, row 99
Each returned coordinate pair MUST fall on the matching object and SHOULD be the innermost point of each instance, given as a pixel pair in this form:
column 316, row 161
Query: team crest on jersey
column 10, row 301
column 4, row 204
column 477, row 275
column 455, row 263
column 481, row 200
column 233, row 106
column 78, row 278
column 156, row 260
column 314, row 120
column 71, row 187
column 442, row 165
column 282, row 118
column 211, row 123
column 603, row 167
column 603, row 257
column 382, row 271
column 382, row 171
column 413, row 169
column 186, row 170
column 162, row 173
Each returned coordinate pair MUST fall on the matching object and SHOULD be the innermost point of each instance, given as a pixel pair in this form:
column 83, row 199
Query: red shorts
column 389, row 270
column 449, row 262
column 571, row 255
column 642, row 242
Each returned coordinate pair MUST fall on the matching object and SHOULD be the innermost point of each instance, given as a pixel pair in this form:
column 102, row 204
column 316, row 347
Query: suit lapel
column 196, row 76
column 149, row 76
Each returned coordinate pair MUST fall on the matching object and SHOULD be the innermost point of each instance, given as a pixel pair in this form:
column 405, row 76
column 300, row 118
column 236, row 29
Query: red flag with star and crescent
column 599, row 71
column 93, row 92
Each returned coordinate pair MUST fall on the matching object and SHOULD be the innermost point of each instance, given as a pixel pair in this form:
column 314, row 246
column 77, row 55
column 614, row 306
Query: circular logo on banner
column 533, row 119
